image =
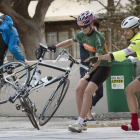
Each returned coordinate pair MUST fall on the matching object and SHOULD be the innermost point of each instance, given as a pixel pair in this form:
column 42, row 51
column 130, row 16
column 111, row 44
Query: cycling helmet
column 85, row 18
column 130, row 22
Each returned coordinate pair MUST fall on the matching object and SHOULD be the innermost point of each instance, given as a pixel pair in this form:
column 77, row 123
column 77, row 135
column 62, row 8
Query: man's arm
column 106, row 57
column 122, row 54
column 13, row 46
column 118, row 56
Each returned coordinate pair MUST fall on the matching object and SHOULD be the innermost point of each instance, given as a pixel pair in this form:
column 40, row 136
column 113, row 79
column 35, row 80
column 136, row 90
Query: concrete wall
column 68, row 106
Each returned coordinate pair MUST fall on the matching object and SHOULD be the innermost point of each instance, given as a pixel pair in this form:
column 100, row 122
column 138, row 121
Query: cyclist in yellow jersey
column 130, row 26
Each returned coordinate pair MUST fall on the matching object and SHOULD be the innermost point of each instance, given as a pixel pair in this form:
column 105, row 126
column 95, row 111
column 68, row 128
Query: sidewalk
column 19, row 128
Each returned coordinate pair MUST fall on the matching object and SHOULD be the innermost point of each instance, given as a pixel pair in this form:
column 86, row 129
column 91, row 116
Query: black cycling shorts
column 99, row 75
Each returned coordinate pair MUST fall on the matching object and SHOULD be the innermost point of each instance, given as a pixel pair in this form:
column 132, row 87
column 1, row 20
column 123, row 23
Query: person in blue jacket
column 9, row 39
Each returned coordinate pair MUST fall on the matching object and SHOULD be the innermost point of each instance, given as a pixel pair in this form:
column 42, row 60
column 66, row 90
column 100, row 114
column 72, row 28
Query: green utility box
column 122, row 73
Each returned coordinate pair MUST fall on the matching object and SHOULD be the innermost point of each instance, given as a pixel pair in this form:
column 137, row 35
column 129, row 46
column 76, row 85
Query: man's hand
column 52, row 48
column 92, row 59
column 26, row 62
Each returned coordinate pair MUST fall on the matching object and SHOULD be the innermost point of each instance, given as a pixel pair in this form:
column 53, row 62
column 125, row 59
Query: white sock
column 80, row 120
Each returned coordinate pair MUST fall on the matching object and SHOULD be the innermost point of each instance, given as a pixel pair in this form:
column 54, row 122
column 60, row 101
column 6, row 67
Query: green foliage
column 83, row 0
column 133, row 8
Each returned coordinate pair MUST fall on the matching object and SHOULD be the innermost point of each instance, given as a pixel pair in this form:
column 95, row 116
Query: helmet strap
column 91, row 29
column 133, row 34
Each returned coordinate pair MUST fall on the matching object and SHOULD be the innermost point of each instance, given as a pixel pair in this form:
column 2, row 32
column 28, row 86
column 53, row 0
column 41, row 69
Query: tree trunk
column 111, row 6
column 31, row 30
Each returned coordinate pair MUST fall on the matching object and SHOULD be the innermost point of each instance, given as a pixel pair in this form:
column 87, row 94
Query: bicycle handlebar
column 57, row 59
column 59, row 56
column 70, row 58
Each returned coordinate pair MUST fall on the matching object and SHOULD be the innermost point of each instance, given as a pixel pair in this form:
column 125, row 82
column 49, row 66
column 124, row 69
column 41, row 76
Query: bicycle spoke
column 10, row 80
column 27, row 105
column 53, row 103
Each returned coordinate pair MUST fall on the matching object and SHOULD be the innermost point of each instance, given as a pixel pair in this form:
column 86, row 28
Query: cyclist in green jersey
column 130, row 27
column 94, row 42
column 84, row 55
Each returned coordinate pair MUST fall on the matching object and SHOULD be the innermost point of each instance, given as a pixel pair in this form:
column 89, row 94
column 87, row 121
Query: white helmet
column 130, row 22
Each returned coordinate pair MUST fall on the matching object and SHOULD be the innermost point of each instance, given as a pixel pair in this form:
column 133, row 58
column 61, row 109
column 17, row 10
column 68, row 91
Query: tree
column 111, row 4
column 31, row 29
column 112, row 19
column 133, row 7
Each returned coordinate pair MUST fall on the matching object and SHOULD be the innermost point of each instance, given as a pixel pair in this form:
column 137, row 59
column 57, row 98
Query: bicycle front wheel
column 27, row 106
column 12, row 75
column 54, row 102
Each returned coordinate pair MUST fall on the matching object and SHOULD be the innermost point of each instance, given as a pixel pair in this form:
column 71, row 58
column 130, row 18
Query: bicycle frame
column 65, row 75
column 34, row 67
column 66, row 70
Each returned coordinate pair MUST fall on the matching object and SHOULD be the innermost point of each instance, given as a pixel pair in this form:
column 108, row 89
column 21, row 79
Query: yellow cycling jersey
column 133, row 47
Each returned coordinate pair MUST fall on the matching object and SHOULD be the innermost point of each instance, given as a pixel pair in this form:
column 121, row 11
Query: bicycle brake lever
column 57, row 59
column 61, row 53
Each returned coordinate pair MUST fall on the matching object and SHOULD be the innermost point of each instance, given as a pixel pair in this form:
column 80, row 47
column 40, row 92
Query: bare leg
column 80, row 92
column 87, row 99
column 130, row 91
column 132, row 102
column 83, row 93
column 89, row 116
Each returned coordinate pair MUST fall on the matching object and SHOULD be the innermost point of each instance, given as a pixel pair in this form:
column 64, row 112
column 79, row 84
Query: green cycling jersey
column 93, row 43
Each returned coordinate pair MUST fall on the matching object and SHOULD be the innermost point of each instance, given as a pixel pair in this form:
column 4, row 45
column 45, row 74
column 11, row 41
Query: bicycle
column 19, row 79
column 13, row 79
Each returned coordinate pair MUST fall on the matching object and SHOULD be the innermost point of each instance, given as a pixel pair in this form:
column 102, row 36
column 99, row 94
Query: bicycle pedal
column 34, row 109
column 24, row 110
column 40, row 116
column 18, row 107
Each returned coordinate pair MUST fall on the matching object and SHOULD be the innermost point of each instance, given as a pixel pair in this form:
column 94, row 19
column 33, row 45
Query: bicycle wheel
column 54, row 102
column 27, row 106
column 12, row 75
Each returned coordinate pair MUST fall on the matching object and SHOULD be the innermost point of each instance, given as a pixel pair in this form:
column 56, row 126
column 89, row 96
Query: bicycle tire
column 12, row 75
column 56, row 98
column 29, row 112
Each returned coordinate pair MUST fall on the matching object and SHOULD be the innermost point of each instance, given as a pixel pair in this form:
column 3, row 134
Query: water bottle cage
column 46, row 79
column 35, row 78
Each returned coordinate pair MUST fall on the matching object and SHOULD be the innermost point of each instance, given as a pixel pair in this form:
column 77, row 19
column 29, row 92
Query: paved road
column 19, row 128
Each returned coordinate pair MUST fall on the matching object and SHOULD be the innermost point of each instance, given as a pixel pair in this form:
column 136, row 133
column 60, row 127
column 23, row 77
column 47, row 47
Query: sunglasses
column 84, row 27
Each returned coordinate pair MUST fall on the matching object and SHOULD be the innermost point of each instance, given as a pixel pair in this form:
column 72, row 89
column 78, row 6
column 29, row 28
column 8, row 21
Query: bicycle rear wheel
column 12, row 75
column 54, row 102
column 28, row 108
